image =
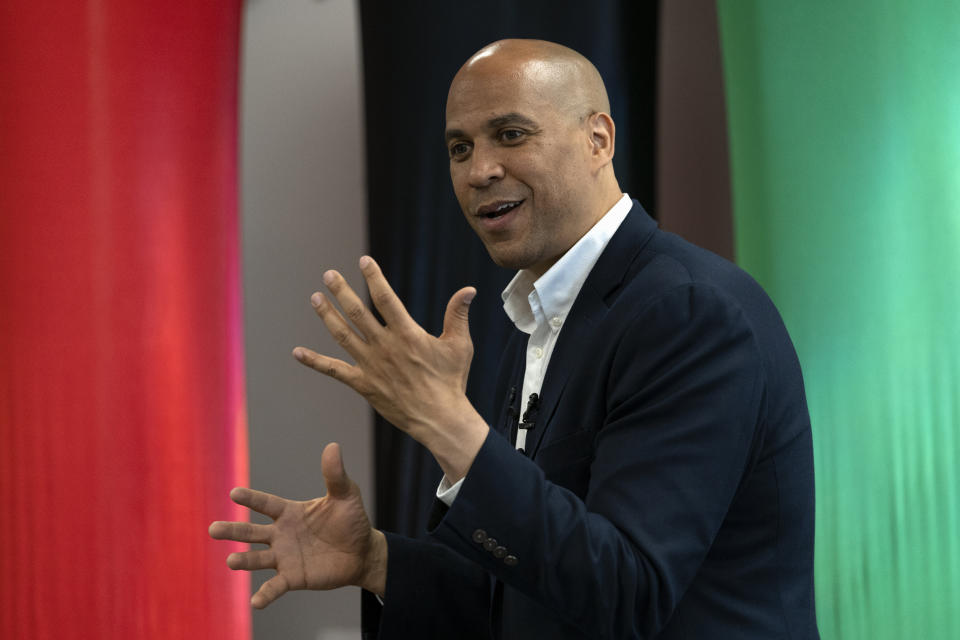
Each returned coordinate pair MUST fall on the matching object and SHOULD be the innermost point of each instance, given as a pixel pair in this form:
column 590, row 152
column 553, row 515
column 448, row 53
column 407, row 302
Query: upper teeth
column 504, row 206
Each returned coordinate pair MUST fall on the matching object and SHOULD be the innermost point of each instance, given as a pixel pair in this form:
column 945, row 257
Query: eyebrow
column 495, row 123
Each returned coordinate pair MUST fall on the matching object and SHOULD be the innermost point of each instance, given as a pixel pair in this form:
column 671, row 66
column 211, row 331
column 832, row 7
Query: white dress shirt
column 539, row 307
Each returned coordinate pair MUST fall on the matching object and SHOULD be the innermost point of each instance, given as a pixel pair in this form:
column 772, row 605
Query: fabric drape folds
column 845, row 144
column 122, row 419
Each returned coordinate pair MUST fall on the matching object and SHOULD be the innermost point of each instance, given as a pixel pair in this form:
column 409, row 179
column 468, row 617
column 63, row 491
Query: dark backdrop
column 416, row 230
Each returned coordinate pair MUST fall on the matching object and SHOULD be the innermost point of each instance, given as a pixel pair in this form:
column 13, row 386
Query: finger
column 265, row 503
column 456, row 319
column 252, row 560
column 353, row 307
column 342, row 333
column 337, row 369
column 334, row 473
column 240, row 531
column 269, row 591
column 382, row 295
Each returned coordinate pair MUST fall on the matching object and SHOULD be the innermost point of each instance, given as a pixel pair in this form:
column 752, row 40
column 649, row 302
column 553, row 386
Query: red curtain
column 122, row 423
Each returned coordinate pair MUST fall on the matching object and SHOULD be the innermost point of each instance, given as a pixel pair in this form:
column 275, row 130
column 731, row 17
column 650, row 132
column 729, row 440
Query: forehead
column 479, row 95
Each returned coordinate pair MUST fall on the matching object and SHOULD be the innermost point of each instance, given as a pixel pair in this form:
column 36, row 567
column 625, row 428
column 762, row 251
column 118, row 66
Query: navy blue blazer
column 667, row 491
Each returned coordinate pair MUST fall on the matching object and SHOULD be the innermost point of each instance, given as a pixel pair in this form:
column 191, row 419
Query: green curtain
column 844, row 127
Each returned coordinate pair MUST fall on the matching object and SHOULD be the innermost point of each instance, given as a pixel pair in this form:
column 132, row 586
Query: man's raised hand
column 413, row 379
column 324, row 543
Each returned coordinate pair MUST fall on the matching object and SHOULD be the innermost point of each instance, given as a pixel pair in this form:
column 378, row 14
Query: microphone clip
column 530, row 415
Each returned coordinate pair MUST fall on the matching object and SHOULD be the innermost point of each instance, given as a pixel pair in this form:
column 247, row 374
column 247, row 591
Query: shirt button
column 490, row 544
column 479, row 536
column 511, row 561
column 537, row 352
column 555, row 322
column 499, row 552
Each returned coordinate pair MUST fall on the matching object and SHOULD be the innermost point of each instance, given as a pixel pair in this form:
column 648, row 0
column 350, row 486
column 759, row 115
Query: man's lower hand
column 322, row 544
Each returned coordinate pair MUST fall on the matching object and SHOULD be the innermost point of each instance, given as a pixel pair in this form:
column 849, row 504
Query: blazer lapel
column 589, row 309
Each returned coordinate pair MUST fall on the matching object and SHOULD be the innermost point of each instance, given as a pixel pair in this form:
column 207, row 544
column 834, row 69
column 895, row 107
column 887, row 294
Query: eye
column 459, row 150
column 511, row 135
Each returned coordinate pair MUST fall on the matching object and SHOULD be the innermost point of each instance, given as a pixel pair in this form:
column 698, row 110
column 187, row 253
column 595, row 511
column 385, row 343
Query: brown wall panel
column 693, row 177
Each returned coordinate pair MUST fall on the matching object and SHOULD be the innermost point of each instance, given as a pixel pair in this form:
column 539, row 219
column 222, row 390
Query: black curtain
column 411, row 51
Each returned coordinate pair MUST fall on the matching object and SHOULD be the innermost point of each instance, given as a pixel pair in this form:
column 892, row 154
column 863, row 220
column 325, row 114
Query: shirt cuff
column 447, row 493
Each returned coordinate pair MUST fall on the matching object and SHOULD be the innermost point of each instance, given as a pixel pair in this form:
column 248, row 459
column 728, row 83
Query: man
column 651, row 472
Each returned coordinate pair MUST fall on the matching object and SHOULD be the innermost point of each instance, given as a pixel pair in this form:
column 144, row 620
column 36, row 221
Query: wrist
column 374, row 578
column 455, row 443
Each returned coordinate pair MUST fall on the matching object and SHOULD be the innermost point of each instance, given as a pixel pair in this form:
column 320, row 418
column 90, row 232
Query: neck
column 599, row 210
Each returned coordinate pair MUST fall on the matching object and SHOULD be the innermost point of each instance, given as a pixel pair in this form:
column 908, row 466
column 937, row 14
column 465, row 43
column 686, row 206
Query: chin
column 509, row 261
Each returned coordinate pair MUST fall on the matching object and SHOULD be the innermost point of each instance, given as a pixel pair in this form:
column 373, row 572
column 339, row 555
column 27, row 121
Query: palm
column 320, row 544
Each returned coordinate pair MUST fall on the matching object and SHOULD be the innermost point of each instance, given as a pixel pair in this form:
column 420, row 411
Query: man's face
column 519, row 164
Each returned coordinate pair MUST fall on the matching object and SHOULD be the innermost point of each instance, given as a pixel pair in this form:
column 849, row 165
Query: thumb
column 334, row 474
column 455, row 320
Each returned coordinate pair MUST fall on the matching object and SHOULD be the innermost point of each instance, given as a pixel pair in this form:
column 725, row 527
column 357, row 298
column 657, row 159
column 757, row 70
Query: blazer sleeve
column 684, row 389
column 432, row 592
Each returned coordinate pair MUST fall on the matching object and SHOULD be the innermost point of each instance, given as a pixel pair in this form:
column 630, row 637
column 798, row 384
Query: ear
column 602, row 137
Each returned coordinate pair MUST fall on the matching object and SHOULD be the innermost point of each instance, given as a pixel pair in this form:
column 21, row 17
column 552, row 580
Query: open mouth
column 492, row 212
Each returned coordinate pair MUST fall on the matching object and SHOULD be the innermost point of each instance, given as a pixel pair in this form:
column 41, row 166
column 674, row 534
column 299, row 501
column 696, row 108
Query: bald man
column 650, row 474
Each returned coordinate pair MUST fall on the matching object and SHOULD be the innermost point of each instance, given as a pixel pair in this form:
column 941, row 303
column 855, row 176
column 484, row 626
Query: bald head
column 531, row 145
column 560, row 75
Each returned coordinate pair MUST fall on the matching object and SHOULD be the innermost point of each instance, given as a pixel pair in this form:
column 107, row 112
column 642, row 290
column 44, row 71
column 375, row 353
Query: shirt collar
column 529, row 301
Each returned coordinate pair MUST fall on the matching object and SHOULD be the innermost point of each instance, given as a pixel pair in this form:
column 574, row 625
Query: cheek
column 561, row 172
column 455, row 177
column 573, row 164
column 460, row 188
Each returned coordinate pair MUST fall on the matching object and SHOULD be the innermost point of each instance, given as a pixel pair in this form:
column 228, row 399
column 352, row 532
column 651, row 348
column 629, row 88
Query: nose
column 485, row 166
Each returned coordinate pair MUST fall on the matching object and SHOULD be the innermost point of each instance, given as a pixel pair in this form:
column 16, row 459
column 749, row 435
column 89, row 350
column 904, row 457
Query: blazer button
column 511, row 561
column 490, row 544
column 479, row 536
column 499, row 552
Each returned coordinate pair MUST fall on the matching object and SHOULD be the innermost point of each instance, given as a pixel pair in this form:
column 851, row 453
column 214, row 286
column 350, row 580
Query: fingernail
column 468, row 297
column 328, row 277
column 317, row 298
column 298, row 353
column 365, row 261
